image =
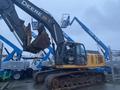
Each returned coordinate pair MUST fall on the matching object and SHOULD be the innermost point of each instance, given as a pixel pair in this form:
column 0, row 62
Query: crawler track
column 69, row 80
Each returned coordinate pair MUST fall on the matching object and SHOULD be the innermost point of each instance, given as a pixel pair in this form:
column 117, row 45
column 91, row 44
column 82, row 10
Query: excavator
column 72, row 68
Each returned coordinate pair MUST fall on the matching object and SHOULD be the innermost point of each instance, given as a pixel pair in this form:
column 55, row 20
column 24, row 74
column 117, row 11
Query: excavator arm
column 43, row 17
column 8, row 13
column 10, row 16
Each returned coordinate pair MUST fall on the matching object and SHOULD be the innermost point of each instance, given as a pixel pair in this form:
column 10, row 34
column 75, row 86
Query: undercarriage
column 68, row 79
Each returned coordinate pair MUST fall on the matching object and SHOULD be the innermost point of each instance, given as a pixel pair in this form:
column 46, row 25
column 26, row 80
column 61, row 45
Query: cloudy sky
column 101, row 16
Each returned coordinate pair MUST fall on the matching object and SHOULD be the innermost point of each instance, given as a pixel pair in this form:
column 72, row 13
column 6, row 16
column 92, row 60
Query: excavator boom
column 16, row 25
column 43, row 17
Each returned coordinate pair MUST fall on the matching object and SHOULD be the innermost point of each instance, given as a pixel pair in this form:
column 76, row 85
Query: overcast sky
column 101, row 16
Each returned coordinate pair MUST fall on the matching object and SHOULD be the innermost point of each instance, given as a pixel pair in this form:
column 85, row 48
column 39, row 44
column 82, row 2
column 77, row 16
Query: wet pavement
column 29, row 85
column 23, row 85
column 107, row 86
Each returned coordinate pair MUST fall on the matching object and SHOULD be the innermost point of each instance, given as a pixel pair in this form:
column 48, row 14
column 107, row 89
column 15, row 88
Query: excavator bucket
column 41, row 42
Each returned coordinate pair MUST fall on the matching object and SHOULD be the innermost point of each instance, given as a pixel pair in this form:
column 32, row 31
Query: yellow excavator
column 73, row 67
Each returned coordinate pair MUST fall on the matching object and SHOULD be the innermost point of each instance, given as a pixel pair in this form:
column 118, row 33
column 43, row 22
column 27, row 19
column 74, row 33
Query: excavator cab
column 73, row 54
